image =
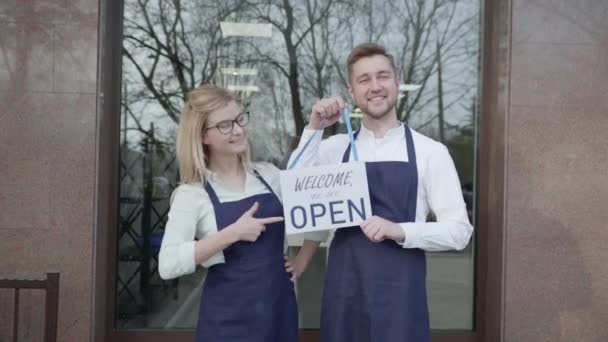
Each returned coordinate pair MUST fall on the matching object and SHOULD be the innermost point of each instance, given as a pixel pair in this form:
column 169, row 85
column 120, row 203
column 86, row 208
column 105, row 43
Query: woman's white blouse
column 192, row 216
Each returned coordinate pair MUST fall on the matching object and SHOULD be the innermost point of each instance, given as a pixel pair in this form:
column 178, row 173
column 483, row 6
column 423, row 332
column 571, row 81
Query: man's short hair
column 367, row 50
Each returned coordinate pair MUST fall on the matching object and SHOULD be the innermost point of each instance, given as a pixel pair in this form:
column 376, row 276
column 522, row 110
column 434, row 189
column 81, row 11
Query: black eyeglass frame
column 232, row 122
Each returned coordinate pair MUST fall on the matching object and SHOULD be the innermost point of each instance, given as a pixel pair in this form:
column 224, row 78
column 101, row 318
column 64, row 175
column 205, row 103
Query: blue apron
column 249, row 297
column 376, row 292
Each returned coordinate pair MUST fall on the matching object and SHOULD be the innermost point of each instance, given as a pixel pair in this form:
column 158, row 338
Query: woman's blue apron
column 376, row 292
column 250, row 297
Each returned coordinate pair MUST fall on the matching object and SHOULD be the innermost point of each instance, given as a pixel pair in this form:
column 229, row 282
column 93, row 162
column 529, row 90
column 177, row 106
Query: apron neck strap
column 261, row 179
column 346, row 156
column 409, row 141
column 409, row 144
column 212, row 195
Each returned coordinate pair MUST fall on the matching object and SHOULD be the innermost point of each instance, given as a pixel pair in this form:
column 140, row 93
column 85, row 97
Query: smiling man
column 375, row 287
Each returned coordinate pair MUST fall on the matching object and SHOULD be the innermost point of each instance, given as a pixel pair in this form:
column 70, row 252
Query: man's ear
column 350, row 92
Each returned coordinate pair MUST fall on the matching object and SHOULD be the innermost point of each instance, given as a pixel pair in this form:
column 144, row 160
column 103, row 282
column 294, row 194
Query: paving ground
column 449, row 283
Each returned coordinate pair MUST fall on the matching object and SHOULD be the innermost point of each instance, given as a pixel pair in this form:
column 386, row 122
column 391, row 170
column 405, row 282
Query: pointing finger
column 269, row 220
column 253, row 208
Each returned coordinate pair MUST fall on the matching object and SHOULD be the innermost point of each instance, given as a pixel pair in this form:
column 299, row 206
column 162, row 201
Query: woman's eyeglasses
column 226, row 126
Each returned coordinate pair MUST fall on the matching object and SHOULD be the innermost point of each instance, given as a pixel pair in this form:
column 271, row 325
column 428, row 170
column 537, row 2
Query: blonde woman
column 226, row 215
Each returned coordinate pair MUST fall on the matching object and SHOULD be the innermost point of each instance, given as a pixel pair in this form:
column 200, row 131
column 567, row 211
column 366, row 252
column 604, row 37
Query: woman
column 227, row 216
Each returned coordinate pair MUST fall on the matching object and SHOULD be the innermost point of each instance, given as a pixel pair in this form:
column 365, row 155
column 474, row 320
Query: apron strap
column 409, row 141
column 346, row 115
column 215, row 200
column 212, row 195
column 261, row 179
column 346, row 155
column 411, row 152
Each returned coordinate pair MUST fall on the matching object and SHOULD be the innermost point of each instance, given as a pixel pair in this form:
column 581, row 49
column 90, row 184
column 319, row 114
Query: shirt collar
column 214, row 177
column 391, row 133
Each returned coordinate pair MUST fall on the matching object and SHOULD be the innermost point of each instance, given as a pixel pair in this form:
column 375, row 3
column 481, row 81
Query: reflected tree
column 284, row 16
column 172, row 46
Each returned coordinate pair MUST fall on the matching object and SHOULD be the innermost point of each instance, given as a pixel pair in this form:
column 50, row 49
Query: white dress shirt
column 438, row 184
column 192, row 216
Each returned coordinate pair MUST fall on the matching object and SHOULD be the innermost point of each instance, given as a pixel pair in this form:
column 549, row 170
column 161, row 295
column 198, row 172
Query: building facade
column 538, row 164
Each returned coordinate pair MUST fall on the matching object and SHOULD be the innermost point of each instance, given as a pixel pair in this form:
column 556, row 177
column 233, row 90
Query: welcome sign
column 325, row 197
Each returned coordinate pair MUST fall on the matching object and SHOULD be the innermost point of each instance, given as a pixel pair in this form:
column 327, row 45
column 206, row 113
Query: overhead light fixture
column 244, row 88
column 239, row 71
column 245, row 29
column 409, row 87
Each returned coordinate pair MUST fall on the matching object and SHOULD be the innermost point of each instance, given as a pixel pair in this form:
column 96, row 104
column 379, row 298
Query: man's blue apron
column 250, row 297
column 376, row 292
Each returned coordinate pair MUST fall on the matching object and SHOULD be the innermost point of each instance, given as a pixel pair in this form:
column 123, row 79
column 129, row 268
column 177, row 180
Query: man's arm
column 452, row 231
column 325, row 112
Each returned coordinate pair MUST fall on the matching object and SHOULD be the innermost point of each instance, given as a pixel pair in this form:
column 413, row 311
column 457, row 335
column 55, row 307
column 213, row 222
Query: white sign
column 325, row 197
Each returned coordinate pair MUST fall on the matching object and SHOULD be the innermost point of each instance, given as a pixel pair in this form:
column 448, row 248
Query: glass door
column 279, row 57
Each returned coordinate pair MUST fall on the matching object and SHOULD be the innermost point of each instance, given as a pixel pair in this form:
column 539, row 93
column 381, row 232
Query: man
column 375, row 287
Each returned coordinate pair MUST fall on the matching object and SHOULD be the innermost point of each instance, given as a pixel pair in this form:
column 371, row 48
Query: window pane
column 280, row 60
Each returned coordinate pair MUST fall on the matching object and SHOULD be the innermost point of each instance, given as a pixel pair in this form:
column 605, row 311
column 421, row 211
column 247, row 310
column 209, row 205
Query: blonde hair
column 192, row 155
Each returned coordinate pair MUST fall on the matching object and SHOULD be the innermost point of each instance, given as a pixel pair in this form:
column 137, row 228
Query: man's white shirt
column 439, row 188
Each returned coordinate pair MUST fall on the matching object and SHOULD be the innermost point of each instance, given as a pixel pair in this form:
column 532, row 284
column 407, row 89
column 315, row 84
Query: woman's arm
column 177, row 251
column 246, row 228
column 299, row 264
column 180, row 253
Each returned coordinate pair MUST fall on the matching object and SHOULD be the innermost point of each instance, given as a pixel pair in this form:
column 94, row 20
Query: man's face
column 374, row 86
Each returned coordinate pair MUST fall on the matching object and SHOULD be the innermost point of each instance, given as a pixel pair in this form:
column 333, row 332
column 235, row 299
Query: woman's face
column 226, row 131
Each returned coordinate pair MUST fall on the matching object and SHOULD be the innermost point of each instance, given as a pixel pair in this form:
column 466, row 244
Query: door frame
column 489, row 264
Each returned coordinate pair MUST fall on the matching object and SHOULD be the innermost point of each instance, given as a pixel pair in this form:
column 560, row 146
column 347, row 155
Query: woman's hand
column 300, row 262
column 295, row 267
column 249, row 228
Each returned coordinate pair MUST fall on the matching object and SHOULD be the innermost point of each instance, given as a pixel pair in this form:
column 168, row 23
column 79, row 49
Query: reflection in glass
column 280, row 57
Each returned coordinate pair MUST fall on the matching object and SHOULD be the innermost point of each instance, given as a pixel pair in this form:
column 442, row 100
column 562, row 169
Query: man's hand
column 378, row 229
column 326, row 112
